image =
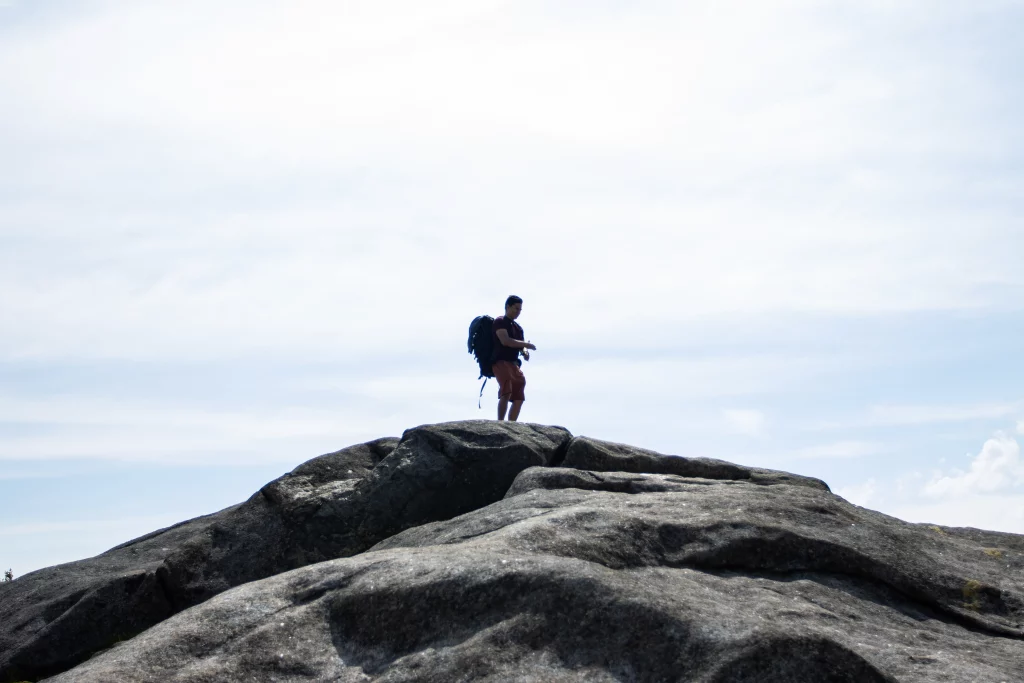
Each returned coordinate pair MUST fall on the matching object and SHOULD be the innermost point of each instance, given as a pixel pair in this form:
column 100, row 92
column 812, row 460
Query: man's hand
column 513, row 343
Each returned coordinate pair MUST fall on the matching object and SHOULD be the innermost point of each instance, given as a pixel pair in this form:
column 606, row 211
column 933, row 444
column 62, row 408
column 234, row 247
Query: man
column 509, row 344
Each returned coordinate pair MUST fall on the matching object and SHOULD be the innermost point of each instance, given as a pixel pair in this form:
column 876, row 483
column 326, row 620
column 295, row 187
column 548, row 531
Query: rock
column 620, row 482
column 496, row 551
column 607, row 576
column 731, row 525
column 604, row 456
column 56, row 617
column 440, row 471
column 336, row 505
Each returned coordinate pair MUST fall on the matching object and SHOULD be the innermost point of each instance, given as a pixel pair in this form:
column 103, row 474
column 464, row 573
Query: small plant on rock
column 8, row 576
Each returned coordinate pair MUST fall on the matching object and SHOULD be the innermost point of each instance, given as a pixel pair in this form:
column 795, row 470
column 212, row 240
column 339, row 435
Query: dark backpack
column 481, row 344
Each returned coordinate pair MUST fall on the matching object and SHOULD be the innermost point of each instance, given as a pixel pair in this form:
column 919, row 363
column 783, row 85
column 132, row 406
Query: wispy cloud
column 841, row 449
column 860, row 494
column 104, row 429
column 91, row 525
column 910, row 415
column 219, row 221
column 928, row 414
column 746, row 421
column 997, row 467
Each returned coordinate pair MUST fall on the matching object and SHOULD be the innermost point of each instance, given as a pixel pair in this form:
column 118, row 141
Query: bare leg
column 513, row 414
column 503, row 408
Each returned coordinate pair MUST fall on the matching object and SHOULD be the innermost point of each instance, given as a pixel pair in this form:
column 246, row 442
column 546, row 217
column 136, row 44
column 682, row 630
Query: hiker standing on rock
column 508, row 345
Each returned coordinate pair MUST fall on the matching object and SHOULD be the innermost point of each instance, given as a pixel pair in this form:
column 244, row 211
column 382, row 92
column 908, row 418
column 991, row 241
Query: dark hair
column 512, row 301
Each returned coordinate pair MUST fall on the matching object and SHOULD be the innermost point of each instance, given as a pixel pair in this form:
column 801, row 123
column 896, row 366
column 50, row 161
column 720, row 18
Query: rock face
column 496, row 552
column 602, row 456
column 336, row 505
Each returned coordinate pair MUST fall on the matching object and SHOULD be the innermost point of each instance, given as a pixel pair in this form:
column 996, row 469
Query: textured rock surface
column 53, row 618
column 603, row 456
column 633, row 578
column 336, row 505
column 495, row 551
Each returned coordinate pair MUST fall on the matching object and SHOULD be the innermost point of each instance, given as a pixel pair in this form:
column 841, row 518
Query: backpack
column 481, row 344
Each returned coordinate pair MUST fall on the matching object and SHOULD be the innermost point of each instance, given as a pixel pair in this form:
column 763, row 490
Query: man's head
column 513, row 307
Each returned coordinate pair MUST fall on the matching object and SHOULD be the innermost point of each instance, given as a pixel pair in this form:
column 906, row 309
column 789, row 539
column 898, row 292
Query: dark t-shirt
column 503, row 352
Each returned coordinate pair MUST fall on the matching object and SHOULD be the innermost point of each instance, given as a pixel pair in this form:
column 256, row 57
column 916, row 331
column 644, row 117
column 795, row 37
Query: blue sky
column 234, row 236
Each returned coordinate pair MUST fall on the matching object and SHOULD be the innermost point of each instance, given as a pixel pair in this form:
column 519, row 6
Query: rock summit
column 494, row 551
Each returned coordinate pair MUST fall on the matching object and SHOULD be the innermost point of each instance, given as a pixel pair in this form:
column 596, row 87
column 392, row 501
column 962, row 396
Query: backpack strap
column 481, row 392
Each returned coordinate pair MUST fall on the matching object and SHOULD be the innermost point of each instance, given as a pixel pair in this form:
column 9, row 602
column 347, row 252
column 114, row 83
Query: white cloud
column 744, row 421
column 860, row 494
column 883, row 415
column 641, row 377
column 83, row 427
column 1020, row 426
column 998, row 467
column 644, row 170
column 909, row 415
column 841, row 449
column 328, row 80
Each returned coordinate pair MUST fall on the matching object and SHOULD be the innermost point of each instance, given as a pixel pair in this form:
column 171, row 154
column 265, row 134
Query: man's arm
column 512, row 343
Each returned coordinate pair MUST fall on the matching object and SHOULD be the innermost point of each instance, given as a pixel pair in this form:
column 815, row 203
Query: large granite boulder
column 618, row 576
column 335, row 505
column 499, row 551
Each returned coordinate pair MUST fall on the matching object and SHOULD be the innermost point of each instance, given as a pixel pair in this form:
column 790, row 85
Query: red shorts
column 511, row 380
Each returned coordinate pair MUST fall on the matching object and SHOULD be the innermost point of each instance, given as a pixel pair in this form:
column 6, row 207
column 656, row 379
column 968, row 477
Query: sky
column 236, row 235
